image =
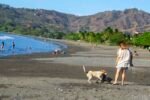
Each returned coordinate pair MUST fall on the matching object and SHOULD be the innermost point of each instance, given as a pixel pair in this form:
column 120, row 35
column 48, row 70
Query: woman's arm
column 117, row 60
column 118, row 56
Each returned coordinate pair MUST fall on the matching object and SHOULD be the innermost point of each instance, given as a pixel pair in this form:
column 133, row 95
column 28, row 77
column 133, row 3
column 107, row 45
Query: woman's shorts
column 123, row 66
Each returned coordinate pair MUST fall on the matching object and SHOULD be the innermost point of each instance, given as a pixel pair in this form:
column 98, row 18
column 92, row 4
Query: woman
column 122, row 62
column 13, row 45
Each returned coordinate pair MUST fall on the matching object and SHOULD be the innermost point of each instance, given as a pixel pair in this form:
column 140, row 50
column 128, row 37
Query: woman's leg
column 116, row 76
column 123, row 76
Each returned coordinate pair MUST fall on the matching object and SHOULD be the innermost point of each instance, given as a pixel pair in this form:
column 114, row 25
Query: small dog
column 100, row 75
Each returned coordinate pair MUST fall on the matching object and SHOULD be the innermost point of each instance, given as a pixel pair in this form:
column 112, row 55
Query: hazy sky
column 80, row 7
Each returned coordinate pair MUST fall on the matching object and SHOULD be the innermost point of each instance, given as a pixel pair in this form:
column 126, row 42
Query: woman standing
column 13, row 45
column 2, row 46
column 122, row 62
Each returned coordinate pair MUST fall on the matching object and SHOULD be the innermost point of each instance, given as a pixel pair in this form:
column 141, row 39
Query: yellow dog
column 97, row 74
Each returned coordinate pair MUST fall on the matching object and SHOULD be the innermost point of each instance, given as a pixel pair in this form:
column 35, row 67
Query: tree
column 116, row 38
column 72, row 36
column 142, row 40
column 91, row 37
column 109, row 30
column 107, row 33
column 82, row 35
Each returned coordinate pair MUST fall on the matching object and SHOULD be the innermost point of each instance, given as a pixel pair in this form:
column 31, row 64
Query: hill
column 43, row 22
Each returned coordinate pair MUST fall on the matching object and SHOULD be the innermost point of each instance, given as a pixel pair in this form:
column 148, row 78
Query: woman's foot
column 115, row 83
column 122, row 83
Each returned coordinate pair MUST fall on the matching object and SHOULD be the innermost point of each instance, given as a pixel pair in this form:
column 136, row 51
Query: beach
column 44, row 76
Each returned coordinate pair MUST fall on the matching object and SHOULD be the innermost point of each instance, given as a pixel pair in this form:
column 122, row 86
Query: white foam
column 6, row 38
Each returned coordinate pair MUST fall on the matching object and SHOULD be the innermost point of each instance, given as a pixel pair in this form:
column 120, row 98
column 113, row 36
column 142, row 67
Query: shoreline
column 60, row 46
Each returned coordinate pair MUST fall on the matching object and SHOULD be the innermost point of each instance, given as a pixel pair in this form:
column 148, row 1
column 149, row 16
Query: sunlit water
column 24, row 45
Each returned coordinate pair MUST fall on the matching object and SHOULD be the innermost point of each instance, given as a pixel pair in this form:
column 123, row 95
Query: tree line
column 108, row 36
column 35, row 31
column 111, row 36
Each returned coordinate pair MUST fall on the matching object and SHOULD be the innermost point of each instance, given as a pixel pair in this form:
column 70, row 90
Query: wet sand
column 60, row 77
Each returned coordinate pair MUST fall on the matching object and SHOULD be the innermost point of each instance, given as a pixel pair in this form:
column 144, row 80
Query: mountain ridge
column 129, row 20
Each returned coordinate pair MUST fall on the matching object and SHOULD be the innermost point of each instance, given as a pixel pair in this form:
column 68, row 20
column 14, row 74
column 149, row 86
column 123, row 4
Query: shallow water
column 24, row 45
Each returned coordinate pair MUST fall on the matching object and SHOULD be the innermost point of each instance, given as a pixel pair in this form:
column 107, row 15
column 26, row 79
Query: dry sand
column 60, row 77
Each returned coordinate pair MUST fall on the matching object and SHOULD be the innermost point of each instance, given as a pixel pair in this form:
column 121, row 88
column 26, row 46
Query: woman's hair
column 123, row 44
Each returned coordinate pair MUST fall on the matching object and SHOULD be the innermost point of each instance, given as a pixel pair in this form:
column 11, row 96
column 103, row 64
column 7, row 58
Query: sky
column 80, row 7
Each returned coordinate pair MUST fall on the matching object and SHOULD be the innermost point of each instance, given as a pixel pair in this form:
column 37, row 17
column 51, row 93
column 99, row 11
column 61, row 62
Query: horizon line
column 80, row 15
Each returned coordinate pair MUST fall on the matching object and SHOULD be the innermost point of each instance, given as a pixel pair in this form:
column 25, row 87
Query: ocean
column 12, row 44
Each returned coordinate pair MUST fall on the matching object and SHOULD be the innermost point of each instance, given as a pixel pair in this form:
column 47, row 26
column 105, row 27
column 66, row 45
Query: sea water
column 24, row 45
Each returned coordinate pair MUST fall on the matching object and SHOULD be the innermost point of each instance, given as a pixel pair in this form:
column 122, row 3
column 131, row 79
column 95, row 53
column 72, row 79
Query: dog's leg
column 100, row 79
column 97, row 81
column 89, row 80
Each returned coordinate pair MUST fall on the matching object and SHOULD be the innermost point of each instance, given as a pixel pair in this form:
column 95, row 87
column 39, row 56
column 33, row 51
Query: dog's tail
column 84, row 69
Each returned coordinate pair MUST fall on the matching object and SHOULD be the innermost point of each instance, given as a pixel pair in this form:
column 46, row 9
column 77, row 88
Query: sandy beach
column 60, row 77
